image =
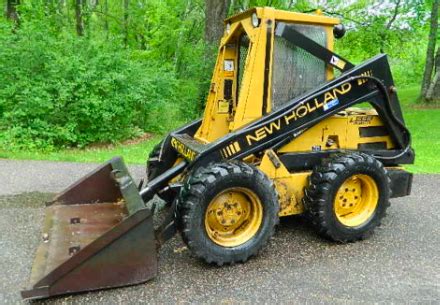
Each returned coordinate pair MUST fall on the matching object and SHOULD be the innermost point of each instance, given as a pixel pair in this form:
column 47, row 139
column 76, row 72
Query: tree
column 11, row 9
column 215, row 12
column 433, row 92
column 126, row 16
column 79, row 17
column 429, row 82
column 106, row 27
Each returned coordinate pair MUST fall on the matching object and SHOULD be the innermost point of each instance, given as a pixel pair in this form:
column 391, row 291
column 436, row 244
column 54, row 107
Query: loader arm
column 370, row 81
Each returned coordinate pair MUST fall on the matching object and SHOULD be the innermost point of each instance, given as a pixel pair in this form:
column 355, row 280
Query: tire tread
column 190, row 198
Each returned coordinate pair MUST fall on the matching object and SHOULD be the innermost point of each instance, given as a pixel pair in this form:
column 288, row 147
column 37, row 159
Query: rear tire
column 347, row 197
column 227, row 211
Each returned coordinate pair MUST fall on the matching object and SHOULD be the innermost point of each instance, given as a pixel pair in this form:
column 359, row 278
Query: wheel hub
column 229, row 213
column 233, row 217
column 356, row 200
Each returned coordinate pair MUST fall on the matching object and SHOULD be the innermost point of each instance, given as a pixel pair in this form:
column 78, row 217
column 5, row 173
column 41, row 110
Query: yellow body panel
column 217, row 122
column 290, row 186
column 339, row 132
column 342, row 130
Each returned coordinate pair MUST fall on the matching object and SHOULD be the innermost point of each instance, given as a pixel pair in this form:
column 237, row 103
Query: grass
column 133, row 154
column 424, row 125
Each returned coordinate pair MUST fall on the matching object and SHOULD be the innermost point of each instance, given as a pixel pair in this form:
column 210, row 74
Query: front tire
column 347, row 197
column 228, row 211
column 159, row 162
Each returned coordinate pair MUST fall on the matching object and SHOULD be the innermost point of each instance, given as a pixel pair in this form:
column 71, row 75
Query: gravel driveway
column 400, row 263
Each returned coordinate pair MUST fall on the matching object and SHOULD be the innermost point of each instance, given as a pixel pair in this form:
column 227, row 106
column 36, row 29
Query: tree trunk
column 433, row 92
column 60, row 8
column 429, row 64
column 85, row 12
column 11, row 9
column 106, row 27
column 215, row 12
column 126, row 15
column 79, row 17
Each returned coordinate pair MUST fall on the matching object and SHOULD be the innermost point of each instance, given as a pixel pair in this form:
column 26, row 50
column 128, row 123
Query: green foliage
column 143, row 66
column 59, row 90
column 418, row 121
column 406, row 52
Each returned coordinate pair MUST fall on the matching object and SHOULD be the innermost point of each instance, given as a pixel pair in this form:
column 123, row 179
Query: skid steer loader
column 279, row 137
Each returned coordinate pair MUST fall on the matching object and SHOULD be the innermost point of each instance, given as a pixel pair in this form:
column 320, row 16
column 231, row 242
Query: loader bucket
column 97, row 234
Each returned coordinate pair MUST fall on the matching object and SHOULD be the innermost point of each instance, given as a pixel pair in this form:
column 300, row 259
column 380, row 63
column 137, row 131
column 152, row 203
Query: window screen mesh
column 296, row 71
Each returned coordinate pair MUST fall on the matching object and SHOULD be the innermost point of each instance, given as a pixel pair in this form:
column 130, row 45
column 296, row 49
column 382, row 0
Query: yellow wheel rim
column 356, row 200
column 233, row 217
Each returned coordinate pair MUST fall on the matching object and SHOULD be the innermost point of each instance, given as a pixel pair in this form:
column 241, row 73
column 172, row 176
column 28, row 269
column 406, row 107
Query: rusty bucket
column 97, row 234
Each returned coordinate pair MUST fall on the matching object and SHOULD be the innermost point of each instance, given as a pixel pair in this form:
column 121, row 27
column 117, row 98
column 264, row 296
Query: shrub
column 58, row 90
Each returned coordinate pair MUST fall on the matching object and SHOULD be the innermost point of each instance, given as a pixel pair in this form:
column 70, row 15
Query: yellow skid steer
column 280, row 136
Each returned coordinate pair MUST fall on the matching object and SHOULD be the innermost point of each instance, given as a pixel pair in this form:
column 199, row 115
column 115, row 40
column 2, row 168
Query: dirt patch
column 142, row 138
column 138, row 140
column 25, row 200
column 431, row 106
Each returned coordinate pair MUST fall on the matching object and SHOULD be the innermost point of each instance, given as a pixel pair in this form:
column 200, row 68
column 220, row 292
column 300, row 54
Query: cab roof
column 286, row 16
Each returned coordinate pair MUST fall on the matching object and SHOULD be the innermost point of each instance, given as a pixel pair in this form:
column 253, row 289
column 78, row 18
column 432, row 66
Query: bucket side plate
column 95, row 244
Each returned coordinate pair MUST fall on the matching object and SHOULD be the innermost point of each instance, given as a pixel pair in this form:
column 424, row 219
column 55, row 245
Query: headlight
column 255, row 20
column 339, row 31
column 228, row 28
